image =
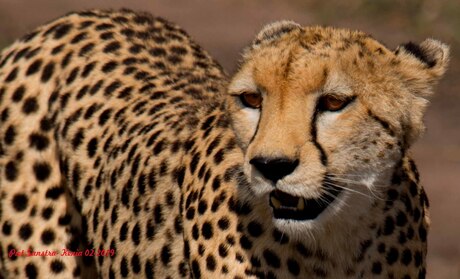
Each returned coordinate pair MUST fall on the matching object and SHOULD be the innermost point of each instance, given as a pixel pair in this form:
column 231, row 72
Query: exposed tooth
column 276, row 203
column 300, row 204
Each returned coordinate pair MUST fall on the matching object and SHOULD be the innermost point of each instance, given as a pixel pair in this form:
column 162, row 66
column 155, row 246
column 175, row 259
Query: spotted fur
column 119, row 132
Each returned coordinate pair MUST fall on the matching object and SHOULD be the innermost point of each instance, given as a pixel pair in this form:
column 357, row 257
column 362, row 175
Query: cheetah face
column 324, row 115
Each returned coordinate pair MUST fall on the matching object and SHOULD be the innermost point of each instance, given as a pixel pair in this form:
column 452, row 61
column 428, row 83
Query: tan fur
column 118, row 132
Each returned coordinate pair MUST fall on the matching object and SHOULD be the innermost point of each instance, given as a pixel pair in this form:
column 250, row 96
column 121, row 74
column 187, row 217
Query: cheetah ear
column 275, row 30
column 431, row 54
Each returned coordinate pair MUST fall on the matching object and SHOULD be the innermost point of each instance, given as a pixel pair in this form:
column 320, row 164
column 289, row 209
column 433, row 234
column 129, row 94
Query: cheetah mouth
column 286, row 206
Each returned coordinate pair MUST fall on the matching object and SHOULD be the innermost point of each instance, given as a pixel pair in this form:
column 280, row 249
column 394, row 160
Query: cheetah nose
column 274, row 168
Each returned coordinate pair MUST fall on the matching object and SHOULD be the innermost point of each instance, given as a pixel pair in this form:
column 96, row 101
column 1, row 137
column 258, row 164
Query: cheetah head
column 324, row 115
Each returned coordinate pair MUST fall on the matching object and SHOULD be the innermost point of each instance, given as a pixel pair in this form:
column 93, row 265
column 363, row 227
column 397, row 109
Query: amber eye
column 251, row 99
column 332, row 103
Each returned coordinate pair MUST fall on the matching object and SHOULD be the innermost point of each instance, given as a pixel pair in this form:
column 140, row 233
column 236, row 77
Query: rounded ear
column 422, row 65
column 433, row 54
column 275, row 30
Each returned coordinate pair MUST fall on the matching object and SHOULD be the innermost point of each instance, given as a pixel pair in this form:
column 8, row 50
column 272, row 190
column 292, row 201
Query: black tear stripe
column 257, row 127
column 313, row 133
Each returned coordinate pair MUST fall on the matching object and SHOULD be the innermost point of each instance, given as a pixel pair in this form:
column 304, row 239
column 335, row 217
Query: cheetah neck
column 361, row 244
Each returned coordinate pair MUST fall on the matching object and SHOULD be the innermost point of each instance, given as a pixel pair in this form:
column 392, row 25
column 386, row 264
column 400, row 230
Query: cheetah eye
column 251, row 99
column 333, row 103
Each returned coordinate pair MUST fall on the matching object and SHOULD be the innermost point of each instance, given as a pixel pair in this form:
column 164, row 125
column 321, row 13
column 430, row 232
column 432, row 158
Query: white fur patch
column 252, row 116
column 243, row 83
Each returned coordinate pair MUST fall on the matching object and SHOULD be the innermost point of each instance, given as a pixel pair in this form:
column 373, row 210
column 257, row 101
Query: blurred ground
column 224, row 27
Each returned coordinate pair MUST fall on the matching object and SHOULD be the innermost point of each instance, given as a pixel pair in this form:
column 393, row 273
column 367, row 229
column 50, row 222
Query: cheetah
column 127, row 152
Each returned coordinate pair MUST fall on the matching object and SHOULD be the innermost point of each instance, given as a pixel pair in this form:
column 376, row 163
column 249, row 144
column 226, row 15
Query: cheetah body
column 120, row 136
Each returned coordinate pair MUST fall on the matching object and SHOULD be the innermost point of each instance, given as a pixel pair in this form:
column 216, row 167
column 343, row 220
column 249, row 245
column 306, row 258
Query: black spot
column 158, row 213
column 207, row 230
column 78, row 38
column 47, row 212
column 20, row 54
column 114, row 215
column 73, row 74
column 180, row 174
column 6, row 228
column 25, row 231
column 104, row 26
column 66, row 59
column 54, row 193
column 46, row 124
column 271, row 258
column 401, row 219
column 389, row 226
column 293, row 267
column 105, row 116
column 30, row 105
column 255, row 229
column 124, row 267
column 18, row 94
column 47, row 236
column 223, row 223
column 38, row 141
column 92, row 147
column 57, row 266
column 111, row 88
column 62, row 30
column 78, row 139
column 106, row 36
column 106, row 200
column 47, row 72
column 422, row 233
column 210, row 263
column 418, row 258
column 149, row 270
column 245, row 242
column 57, row 49
column 165, row 255
column 202, row 207
column 406, row 257
column 392, row 256
column 417, row 214
column 111, row 47
column 85, row 49
column 219, row 156
column 31, row 271
column 196, row 269
column 64, row 220
column 20, row 202
column 34, row 67
column 12, row 75
column 88, row 69
column 11, row 171
column 109, row 66
column 376, row 268
column 135, row 234
column 195, row 233
column 190, row 213
column 135, row 263
column 10, row 135
column 123, row 231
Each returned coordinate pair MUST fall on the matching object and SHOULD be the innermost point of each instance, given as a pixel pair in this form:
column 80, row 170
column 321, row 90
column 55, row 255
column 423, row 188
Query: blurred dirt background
column 224, row 27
